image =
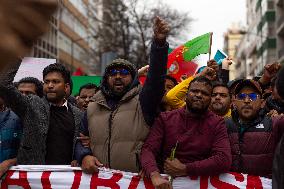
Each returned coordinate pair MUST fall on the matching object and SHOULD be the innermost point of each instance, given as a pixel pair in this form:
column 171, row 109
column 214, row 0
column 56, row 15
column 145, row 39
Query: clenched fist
column 161, row 30
column 21, row 23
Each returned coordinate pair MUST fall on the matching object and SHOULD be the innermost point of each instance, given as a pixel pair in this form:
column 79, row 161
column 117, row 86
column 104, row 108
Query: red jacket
column 253, row 149
column 203, row 143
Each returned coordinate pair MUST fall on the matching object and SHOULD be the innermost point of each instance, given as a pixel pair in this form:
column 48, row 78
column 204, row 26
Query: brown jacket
column 117, row 136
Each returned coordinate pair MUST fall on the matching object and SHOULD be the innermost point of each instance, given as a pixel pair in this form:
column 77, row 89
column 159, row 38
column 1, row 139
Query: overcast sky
column 212, row 16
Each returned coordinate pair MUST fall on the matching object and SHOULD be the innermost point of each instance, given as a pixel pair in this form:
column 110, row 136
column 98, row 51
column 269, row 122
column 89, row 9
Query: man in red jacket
column 253, row 136
column 196, row 138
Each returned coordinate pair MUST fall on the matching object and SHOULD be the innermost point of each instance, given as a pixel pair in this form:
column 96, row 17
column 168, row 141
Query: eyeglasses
column 122, row 72
column 251, row 96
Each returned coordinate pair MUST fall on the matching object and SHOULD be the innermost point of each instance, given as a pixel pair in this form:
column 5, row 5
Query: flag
column 78, row 72
column 181, row 60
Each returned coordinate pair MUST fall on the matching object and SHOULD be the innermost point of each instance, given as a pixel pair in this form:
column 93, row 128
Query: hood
column 119, row 63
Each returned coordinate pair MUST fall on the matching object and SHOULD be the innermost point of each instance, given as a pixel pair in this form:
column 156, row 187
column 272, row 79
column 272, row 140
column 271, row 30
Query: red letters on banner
column 77, row 179
column 45, row 182
column 253, row 182
column 21, row 181
column 111, row 183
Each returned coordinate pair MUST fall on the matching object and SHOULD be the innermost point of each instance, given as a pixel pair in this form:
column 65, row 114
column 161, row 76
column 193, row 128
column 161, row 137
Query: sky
column 211, row 16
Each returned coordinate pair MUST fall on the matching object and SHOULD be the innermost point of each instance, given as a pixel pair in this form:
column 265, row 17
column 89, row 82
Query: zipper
column 109, row 137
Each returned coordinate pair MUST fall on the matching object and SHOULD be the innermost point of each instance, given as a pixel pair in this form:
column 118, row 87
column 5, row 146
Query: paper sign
column 33, row 67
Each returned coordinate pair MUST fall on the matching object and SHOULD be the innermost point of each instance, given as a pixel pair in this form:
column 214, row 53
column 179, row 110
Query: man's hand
column 74, row 163
column 175, row 168
column 226, row 63
column 5, row 165
column 159, row 182
column 90, row 164
column 85, row 140
column 270, row 71
column 22, row 22
column 209, row 73
column 143, row 71
column 213, row 64
column 161, row 30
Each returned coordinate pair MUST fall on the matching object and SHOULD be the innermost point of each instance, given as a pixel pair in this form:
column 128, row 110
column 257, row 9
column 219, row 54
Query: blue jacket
column 10, row 135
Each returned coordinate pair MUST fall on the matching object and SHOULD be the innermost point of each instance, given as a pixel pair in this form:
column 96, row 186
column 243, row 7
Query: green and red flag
column 181, row 60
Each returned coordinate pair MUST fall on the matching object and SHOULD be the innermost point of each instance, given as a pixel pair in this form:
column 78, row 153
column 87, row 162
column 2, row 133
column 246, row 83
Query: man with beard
column 253, row 136
column 120, row 117
column 192, row 140
column 221, row 100
column 50, row 124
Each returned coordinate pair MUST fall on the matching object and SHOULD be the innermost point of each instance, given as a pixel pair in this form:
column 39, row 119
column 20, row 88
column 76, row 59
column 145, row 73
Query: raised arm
column 153, row 89
column 12, row 97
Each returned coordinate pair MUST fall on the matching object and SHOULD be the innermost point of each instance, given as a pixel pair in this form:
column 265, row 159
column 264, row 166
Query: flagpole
column 211, row 34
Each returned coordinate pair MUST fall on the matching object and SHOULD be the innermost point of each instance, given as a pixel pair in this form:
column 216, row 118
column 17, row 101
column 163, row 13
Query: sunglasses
column 251, row 96
column 122, row 72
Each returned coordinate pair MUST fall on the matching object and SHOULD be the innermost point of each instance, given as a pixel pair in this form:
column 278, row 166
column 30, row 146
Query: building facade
column 258, row 46
column 231, row 40
column 280, row 30
column 71, row 39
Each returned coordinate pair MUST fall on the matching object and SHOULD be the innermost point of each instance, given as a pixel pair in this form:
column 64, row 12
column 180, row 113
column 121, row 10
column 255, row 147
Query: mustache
column 247, row 107
column 118, row 82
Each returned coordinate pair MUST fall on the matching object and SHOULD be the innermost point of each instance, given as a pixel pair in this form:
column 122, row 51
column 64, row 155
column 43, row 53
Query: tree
column 126, row 27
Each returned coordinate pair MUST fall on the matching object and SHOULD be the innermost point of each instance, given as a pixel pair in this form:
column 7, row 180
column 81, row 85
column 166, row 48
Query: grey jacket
column 34, row 114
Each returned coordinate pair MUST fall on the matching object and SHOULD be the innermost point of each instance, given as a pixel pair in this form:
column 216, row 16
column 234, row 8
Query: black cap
column 248, row 82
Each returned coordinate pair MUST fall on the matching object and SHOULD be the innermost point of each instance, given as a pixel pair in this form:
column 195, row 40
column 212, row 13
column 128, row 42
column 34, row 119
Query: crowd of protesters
column 203, row 125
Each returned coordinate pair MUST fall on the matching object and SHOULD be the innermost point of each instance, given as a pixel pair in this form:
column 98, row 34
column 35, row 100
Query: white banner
column 33, row 67
column 63, row 177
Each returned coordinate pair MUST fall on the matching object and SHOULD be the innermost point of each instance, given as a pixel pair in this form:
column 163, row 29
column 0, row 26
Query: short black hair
column 172, row 79
column 58, row 68
column 88, row 86
column 202, row 79
column 221, row 84
column 38, row 84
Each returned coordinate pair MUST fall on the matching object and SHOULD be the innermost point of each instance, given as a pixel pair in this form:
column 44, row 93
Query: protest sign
column 33, row 67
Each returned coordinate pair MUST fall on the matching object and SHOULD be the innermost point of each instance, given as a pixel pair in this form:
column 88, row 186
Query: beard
column 218, row 108
column 197, row 110
column 120, row 90
column 55, row 97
